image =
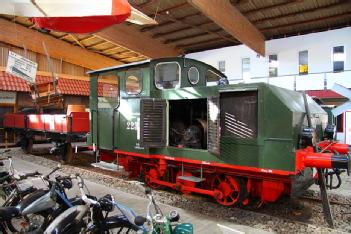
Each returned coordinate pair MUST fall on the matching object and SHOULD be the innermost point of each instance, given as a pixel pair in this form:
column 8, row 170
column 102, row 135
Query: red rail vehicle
column 61, row 129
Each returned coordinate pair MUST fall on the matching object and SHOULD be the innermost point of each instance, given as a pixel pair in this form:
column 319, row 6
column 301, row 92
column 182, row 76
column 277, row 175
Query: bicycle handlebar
column 85, row 198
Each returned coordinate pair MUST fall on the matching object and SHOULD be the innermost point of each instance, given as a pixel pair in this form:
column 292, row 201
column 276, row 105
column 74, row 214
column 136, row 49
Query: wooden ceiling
column 182, row 28
column 190, row 30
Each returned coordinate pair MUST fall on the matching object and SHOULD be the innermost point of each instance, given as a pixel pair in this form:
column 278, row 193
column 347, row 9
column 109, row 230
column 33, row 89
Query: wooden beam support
column 87, row 38
column 130, row 37
column 190, row 37
column 168, row 22
column 100, row 43
column 200, row 43
column 58, row 49
column 231, row 20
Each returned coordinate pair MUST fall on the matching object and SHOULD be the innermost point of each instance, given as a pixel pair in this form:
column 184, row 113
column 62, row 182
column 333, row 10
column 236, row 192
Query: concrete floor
column 202, row 224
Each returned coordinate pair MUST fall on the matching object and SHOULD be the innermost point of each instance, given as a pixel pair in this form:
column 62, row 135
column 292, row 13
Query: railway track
column 331, row 201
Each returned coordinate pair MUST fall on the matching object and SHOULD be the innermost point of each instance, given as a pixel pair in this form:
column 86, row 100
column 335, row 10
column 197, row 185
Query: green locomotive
column 175, row 122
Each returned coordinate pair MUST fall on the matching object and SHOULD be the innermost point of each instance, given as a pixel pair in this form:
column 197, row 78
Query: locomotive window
column 239, row 114
column 211, row 76
column 193, row 75
column 108, row 91
column 167, row 75
column 134, row 83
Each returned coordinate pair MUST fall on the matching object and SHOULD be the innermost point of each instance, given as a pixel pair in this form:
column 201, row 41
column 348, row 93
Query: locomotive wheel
column 185, row 182
column 232, row 188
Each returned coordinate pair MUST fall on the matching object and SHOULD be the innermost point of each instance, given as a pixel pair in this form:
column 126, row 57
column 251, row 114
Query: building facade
column 312, row 62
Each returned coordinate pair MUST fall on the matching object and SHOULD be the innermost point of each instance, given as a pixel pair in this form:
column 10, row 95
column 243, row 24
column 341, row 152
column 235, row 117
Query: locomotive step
column 191, row 178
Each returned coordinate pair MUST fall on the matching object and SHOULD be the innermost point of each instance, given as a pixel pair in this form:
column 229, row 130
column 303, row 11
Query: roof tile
column 65, row 86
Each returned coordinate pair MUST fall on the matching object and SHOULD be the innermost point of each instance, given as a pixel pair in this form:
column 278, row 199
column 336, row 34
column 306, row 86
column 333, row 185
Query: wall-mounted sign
column 7, row 97
column 22, row 67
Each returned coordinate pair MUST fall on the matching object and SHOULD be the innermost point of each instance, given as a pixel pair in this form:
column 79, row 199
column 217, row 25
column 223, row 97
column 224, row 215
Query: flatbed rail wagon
column 61, row 129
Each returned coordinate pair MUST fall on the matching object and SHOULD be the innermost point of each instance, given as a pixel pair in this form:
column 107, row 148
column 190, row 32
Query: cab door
column 105, row 93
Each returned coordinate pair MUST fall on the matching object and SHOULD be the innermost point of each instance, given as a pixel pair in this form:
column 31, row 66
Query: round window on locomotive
column 193, row 75
column 133, row 85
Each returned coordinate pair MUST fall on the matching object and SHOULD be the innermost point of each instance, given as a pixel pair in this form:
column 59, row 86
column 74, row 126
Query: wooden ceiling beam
column 199, row 26
column 168, row 22
column 167, row 10
column 176, row 7
column 113, row 48
column 200, row 43
column 305, row 22
column 223, row 13
column 20, row 35
column 86, row 38
column 98, row 44
column 190, row 37
column 130, row 37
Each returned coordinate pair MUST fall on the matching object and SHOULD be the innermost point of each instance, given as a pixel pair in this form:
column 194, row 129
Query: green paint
column 281, row 114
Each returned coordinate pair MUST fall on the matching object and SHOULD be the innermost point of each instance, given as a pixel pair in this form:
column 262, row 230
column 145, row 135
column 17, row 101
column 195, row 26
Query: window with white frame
column 221, row 66
column 338, row 58
column 273, row 65
column 245, row 67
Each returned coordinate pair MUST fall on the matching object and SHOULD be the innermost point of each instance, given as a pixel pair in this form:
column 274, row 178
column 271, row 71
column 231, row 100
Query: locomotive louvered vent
column 153, row 123
column 239, row 114
column 213, row 125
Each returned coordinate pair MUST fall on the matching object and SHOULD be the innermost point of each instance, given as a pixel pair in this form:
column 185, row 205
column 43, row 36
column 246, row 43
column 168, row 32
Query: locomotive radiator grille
column 239, row 114
column 153, row 123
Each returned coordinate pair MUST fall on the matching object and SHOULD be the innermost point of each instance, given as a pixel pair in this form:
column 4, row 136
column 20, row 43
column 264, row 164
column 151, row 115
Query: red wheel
column 232, row 189
column 185, row 182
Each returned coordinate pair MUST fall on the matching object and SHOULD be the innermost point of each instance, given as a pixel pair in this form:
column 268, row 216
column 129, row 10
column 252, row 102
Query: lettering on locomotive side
column 132, row 125
column 267, row 170
column 169, row 158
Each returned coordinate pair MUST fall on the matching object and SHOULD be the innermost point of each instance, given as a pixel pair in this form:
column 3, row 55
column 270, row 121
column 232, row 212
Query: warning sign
column 22, row 67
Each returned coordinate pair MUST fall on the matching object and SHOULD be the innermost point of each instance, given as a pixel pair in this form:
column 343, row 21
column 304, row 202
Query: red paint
column 212, row 193
column 324, row 94
column 318, row 160
column 307, row 158
column 80, row 122
column 186, row 183
column 107, row 156
column 162, row 167
column 14, row 120
column 221, row 165
column 334, row 146
column 77, row 122
column 120, row 11
column 271, row 190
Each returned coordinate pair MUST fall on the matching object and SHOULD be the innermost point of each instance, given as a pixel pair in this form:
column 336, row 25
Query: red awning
column 324, row 94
